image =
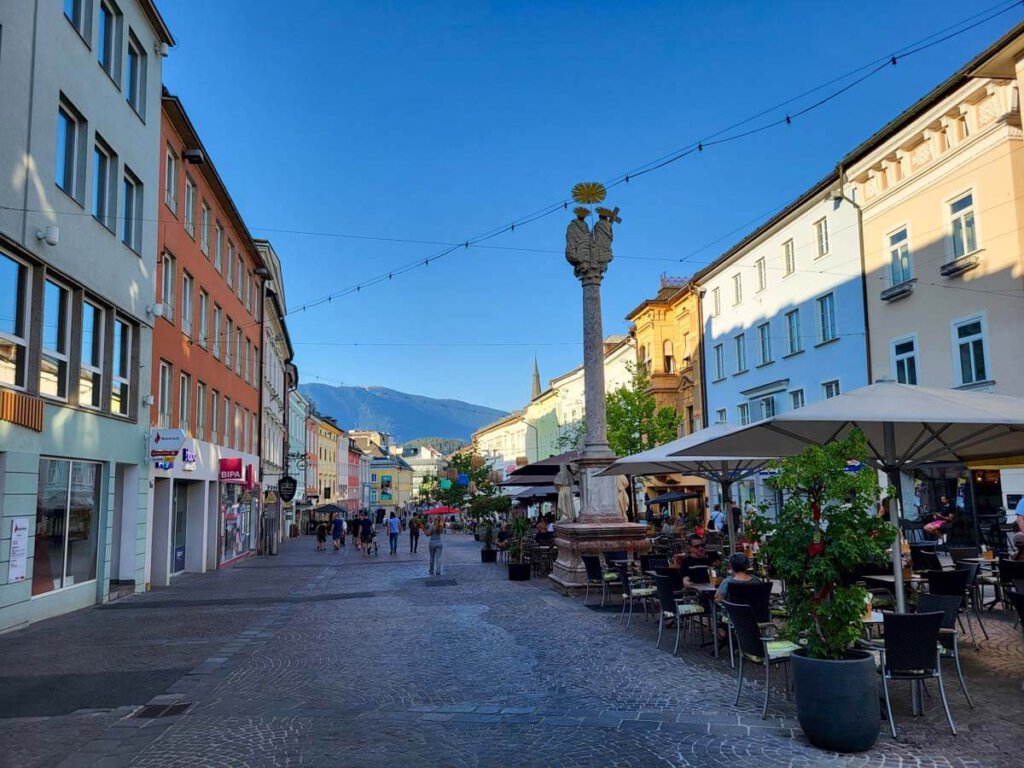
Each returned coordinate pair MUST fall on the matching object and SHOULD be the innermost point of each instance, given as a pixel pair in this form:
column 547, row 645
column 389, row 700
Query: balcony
column 956, row 267
column 899, row 291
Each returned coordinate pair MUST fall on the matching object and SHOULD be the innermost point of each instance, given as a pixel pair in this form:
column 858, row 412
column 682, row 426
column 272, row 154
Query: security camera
column 51, row 235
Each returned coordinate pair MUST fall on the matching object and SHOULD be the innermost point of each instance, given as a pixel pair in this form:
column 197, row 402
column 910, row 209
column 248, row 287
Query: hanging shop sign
column 189, row 457
column 166, row 442
column 231, row 470
column 16, row 568
column 286, row 487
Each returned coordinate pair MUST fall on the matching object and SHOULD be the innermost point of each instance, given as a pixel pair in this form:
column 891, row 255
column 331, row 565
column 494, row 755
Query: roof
column 149, row 8
column 665, row 295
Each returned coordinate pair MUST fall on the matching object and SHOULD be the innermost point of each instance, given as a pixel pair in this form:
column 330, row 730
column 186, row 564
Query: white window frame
column 22, row 295
column 228, row 342
column 827, row 300
column 185, row 402
column 953, row 218
column 788, row 258
column 766, row 405
column 238, row 350
column 109, row 57
column 895, row 358
column 93, row 370
column 204, row 227
column 716, row 302
column 121, row 376
column 668, row 357
column 164, row 393
column 135, row 76
column 60, row 357
column 131, row 209
column 203, row 315
column 719, row 353
column 739, row 342
column 104, row 183
column 821, row 244
column 188, row 286
column 239, row 276
column 796, row 399
column 171, row 180
column 201, row 409
column 826, row 387
column 764, row 343
column 721, row 416
column 189, row 218
column 743, row 414
column 794, row 339
column 761, row 276
column 230, row 262
column 228, row 431
column 218, row 317
column 901, row 264
column 218, row 247
column 214, row 416
column 957, row 341
column 71, row 178
column 737, row 289
column 80, row 18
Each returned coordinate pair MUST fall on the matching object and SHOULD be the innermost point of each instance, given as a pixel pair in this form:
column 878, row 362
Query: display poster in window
column 237, row 518
column 17, row 566
column 385, row 488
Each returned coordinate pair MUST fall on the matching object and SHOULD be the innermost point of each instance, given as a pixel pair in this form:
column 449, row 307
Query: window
column 214, row 416
column 767, row 407
column 248, row 291
column 228, row 340
column 187, row 286
column 716, row 302
column 741, row 352
column 761, row 274
column 135, row 85
column 238, row 428
column 120, row 390
column 239, row 274
column 238, row 350
column 743, row 412
column 970, row 347
column 79, row 13
column 185, row 402
column 231, row 261
column 899, row 257
column 793, row 342
column 821, row 238
column 171, row 181
column 965, row 237
column 14, row 298
column 90, row 376
column 216, row 331
column 719, row 362
column 204, row 316
column 204, row 228
column 53, row 373
column 104, row 182
column 764, row 342
column 796, row 399
column 670, row 362
column 67, row 530
column 131, row 212
column 167, row 281
column 163, row 416
column 108, row 42
column 737, row 288
column 201, row 410
column 71, row 132
column 830, row 389
column 904, row 361
column 218, row 244
column 788, row 258
column 190, row 207
column 228, row 433
column 827, row 317
column 243, row 355
column 721, row 416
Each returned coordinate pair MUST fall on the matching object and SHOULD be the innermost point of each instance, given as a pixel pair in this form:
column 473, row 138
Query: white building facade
column 783, row 316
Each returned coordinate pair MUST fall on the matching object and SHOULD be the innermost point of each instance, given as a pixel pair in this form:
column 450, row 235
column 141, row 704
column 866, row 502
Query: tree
column 471, row 468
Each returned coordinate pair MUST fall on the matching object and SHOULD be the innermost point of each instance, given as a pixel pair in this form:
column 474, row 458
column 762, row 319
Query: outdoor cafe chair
column 956, row 554
column 913, row 530
column 758, row 645
column 756, row 594
column 611, row 557
column 948, row 636
column 608, row 578
column 1007, row 571
column 973, row 592
column 1016, row 599
column 911, row 651
column 634, row 589
column 682, row 610
column 925, row 559
column 953, row 583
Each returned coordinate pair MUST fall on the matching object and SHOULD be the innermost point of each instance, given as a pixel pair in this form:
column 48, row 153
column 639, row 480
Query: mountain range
column 402, row 415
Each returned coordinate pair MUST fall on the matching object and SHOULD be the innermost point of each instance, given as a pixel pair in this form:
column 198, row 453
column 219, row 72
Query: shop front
column 239, row 507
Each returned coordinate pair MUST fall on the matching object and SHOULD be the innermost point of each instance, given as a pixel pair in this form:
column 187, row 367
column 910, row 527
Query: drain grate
column 440, row 583
column 152, row 711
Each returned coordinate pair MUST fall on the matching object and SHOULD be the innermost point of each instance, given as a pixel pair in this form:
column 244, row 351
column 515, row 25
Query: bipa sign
column 231, row 470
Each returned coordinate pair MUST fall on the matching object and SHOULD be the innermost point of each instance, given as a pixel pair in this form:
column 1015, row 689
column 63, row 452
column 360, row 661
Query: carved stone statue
column 563, row 483
column 588, row 251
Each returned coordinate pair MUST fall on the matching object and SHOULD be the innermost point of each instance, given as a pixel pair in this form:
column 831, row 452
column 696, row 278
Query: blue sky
column 437, row 121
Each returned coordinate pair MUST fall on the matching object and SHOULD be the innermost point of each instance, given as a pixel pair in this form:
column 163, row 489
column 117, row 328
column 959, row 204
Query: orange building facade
column 206, row 363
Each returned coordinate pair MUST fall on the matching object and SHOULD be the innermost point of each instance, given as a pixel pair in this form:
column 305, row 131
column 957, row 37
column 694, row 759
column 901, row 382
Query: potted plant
column 825, row 530
column 517, row 569
column 488, row 554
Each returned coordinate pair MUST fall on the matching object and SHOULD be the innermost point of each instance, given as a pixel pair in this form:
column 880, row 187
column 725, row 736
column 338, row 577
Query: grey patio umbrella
column 905, row 426
column 724, row 470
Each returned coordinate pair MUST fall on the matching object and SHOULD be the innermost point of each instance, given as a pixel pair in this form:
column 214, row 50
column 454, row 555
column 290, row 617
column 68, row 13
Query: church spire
column 536, row 380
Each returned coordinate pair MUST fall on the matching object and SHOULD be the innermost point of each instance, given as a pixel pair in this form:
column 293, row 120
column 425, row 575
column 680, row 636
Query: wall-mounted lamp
column 163, row 50
column 155, row 310
column 51, row 235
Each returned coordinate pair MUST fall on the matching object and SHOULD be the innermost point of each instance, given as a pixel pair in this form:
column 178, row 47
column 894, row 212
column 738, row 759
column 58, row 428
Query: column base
column 592, row 537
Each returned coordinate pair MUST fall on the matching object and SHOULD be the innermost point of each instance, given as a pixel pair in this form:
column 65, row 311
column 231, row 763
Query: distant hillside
column 403, row 415
column 446, row 445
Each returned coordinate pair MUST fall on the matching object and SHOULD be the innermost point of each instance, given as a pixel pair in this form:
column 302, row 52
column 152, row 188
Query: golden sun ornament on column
column 589, row 192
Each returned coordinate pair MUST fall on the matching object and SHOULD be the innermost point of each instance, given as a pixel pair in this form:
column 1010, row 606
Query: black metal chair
column 758, row 648
column 952, row 583
column 913, row 530
column 611, row 556
column 957, row 554
column 973, row 592
column 925, row 559
column 634, row 589
column 595, row 576
column 678, row 608
column 911, row 652
column 756, row 594
column 1016, row 599
column 949, row 606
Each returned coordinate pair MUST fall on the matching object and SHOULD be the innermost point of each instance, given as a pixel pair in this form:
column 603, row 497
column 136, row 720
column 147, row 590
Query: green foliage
column 487, row 506
column 446, row 445
column 520, row 525
column 635, row 423
column 826, row 529
column 456, row 495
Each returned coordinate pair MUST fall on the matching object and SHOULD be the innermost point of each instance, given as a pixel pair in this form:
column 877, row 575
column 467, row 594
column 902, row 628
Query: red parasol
column 443, row 511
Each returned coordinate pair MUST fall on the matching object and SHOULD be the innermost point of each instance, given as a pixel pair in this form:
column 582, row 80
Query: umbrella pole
column 893, row 473
column 727, row 508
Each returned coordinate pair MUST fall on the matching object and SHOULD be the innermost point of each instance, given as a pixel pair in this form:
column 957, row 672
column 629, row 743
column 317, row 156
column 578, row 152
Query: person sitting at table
column 943, row 519
column 696, row 565
column 739, row 565
column 504, row 539
column 668, row 528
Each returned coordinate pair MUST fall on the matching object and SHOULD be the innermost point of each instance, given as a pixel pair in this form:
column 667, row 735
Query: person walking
column 436, row 545
column 414, row 534
column 321, row 537
column 394, row 526
column 337, row 531
column 366, row 533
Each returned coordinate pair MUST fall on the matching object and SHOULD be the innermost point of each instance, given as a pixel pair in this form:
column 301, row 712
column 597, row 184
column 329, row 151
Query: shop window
column 67, row 525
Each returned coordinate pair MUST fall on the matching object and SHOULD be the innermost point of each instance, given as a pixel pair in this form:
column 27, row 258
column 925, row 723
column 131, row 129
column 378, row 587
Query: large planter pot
column 837, row 701
column 518, row 571
column 488, row 555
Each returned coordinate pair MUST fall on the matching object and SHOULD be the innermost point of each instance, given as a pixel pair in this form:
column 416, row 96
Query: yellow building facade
column 327, row 461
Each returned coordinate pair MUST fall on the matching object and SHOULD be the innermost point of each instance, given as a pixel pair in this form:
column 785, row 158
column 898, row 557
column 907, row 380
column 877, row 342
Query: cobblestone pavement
column 321, row 659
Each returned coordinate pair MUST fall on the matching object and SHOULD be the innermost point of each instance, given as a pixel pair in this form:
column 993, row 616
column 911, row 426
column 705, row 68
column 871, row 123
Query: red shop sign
column 231, row 470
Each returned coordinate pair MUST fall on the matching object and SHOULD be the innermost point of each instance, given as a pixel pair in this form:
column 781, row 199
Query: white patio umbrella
column 905, row 426
column 724, row 470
